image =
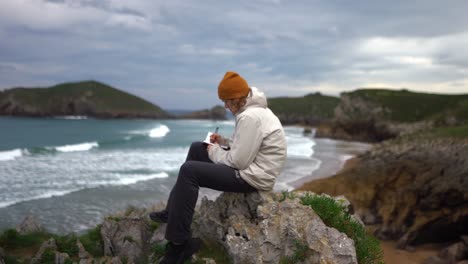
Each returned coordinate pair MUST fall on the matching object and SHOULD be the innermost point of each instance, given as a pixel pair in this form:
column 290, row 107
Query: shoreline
column 334, row 156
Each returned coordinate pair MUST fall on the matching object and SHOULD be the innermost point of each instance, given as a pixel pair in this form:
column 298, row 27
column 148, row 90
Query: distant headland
column 88, row 98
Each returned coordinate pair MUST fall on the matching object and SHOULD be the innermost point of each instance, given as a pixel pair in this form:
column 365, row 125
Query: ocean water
column 70, row 172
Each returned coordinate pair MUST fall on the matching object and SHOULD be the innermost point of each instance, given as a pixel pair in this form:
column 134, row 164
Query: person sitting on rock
column 252, row 161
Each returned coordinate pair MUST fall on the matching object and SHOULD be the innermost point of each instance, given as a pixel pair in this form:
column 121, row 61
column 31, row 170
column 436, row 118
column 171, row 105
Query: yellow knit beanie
column 232, row 86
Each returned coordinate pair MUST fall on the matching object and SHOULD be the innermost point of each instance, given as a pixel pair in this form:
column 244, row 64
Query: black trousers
column 197, row 171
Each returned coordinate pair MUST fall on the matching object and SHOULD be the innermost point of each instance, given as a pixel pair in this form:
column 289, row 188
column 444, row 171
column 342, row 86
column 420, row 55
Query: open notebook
column 207, row 140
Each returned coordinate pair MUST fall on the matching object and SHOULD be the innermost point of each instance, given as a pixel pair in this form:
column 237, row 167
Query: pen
column 216, row 130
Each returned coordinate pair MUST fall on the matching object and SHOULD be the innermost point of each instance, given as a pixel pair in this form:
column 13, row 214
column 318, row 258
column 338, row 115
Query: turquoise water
column 70, row 172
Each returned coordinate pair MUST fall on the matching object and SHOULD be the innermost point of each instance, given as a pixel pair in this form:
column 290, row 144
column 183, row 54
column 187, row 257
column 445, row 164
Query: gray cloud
column 99, row 4
column 168, row 51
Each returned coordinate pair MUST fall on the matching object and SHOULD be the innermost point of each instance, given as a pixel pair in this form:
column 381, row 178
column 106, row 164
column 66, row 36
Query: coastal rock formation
column 456, row 253
column 252, row 228
column 256, row 228
column 82, row 253
column 126, row 237
column 49, row 245
column 359, row 119
column 414, row 191
column 374, row 115
column 29, row 225
column 61, row 258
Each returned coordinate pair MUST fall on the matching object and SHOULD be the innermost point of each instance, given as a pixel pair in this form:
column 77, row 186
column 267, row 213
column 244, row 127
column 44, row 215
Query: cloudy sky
column 174, row 53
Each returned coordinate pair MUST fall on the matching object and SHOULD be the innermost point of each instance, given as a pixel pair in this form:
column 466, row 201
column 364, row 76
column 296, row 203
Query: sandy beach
column 417, row 255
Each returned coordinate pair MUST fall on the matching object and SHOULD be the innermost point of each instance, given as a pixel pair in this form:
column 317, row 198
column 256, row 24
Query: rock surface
column 359, row 119
column 414, row 192
column 48, row 245
column 126, row 237
column 82, row 253
column 257, row 228
column 456, row 253
column 29, row 225
column 2, row 255
column 252, row 228
column 61, row 258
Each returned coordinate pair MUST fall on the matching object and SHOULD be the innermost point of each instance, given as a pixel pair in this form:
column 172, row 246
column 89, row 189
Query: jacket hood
column 256, row 98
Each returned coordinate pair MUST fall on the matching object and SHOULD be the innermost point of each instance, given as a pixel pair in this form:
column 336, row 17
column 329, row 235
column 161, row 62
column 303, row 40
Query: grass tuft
column 12, row 260
column 286, row 195
column 368, row 248
column 92, row 242
column 213, row 250
column 158, row 250
column 67, row 244
column 129, row 210
column 48, row 257
column 153, row 226
column 11, row 239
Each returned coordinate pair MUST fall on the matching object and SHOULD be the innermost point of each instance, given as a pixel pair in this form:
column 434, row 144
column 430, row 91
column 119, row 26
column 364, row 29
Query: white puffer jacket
column 258, row 146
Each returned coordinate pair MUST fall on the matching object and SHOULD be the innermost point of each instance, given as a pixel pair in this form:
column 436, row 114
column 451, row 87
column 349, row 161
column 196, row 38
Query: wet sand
column 418, row 255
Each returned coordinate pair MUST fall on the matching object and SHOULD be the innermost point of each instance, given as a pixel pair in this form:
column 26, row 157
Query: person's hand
column 214, row 138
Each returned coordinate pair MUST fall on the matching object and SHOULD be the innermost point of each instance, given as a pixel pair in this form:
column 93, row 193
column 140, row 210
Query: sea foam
column 44, row 195
column 71, row 117
column 77, row 147
column 10, row 154
column 159, row 131
column 345, row 157
column 125, row 180
column 300, row 146
column 132, row 179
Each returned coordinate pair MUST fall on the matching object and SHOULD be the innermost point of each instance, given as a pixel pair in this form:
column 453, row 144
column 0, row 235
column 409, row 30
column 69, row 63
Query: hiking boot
column 191, row 247
column 174, row 254
column 160, row 217
column 178, row 254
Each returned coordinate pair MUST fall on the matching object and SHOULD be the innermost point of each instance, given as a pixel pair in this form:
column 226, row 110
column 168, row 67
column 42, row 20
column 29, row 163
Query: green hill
column 407, row 106
column 89, row 98
column 310, row 109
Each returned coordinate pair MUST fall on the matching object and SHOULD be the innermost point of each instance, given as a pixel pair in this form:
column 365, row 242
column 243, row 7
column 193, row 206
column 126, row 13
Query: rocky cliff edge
column 251, row 228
